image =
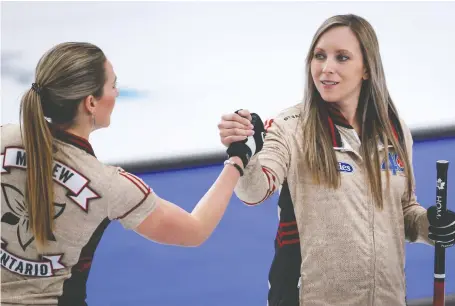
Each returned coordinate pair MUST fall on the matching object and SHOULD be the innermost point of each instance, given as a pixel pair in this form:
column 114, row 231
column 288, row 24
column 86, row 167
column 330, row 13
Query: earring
column 93, row 122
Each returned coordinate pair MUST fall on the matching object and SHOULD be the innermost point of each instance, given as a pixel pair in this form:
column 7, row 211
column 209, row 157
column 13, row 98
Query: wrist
column 235, row 165
column 237, row 160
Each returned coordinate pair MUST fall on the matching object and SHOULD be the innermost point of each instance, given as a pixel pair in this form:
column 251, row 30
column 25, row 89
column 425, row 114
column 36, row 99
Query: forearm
column 210, row 209
column 415, row 216
column 257, row 184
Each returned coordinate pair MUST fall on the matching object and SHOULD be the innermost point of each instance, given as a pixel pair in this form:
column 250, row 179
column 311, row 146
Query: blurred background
column 180, row 66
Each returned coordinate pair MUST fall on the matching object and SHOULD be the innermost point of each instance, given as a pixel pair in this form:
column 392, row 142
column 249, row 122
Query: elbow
column 195, row 241
column 200, row 236
column 251, row 204
column 248, row 201
column 196, row 237
column 185, row 240
column 190, row 235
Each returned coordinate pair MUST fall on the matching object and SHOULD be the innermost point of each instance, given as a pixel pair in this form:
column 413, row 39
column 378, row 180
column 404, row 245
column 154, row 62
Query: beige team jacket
column 352, row 253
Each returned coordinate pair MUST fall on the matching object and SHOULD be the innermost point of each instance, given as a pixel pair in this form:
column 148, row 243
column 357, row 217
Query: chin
column 103, row 125
column 330, row 98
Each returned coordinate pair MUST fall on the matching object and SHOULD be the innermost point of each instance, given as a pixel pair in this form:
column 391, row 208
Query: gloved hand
column 247, row 148
column 441, row 229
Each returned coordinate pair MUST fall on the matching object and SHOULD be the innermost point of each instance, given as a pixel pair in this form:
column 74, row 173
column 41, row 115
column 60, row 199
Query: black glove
column 442, row 229
column 245, row 149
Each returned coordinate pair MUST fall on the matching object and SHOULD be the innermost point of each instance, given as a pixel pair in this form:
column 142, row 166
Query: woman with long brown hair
column 342, row 160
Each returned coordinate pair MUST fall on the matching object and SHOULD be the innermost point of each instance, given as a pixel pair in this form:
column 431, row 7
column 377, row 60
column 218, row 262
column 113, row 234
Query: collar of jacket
column 333, row 118
column 71, row 139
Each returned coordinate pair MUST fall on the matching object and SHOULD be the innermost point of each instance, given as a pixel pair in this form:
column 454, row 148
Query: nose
column 328, row 66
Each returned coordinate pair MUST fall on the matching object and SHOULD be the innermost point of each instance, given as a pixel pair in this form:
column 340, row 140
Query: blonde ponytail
column 39, row 193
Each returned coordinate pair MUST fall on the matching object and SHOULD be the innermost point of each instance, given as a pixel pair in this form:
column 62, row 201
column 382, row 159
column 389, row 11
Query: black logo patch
column 18, row 215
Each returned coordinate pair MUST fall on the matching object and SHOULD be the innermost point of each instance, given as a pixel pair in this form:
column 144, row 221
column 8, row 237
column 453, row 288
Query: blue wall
column 231, row 267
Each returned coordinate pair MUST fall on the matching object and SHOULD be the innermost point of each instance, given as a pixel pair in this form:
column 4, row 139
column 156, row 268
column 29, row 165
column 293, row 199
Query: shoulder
column 124, row 181
column 113, row 180
column 11, row 135
column 286, row 119
column 407, row 134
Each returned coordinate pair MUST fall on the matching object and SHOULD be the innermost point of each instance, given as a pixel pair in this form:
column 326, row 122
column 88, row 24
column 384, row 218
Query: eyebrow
column 339, row 50
column 344, row 50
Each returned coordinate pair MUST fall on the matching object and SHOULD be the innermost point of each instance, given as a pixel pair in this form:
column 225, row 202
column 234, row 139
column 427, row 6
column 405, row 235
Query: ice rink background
column 180, row 66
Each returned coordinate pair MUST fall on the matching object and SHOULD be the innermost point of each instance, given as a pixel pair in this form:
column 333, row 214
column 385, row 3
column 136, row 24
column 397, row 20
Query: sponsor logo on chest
column 345, row 167
column 396, row 165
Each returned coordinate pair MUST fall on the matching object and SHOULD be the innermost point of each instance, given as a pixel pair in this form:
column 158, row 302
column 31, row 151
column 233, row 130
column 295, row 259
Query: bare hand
column 235, row 127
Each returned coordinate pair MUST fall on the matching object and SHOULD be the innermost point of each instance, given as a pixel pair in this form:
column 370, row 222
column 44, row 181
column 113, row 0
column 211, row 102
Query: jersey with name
column 88, row 195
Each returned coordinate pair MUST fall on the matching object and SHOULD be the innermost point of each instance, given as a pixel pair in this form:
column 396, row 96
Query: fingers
column 442, row 239
column 230, row 135
column 245, row 113
column 238, row 117
column 236, row 132
column 235, row 127
column 230, row 139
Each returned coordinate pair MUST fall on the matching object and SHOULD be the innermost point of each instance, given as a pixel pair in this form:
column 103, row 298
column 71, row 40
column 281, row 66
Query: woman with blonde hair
column 57, row 198
column 342, row 160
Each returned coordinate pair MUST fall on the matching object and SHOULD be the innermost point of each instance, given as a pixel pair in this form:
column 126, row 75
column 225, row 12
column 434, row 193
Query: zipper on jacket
column 371, row 221
column 374, row 257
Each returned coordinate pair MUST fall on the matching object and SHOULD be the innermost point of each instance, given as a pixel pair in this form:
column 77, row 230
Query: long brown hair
column 374, row 110
column 64, row 76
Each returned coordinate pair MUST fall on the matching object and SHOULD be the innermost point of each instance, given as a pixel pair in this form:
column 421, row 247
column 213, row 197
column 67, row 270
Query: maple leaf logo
column 18, row 215
column 440, row 184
